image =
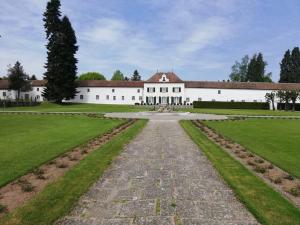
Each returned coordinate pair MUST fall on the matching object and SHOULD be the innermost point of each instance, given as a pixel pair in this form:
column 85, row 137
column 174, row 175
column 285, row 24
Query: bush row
column 281, row 106
column 10, row 103
column 231, row 105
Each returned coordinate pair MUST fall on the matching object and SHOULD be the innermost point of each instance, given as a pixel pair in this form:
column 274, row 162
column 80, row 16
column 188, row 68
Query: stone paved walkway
column 160, row 178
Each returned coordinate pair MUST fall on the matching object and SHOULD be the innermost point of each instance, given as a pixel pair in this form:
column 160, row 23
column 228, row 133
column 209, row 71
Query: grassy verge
column 267, row 205
column 247, row 112
column 79, row 107
column 58, row 198
column 276, row 140
column 27, row 141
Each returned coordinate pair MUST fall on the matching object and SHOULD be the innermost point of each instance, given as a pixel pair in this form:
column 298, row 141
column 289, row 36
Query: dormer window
column 164, row 78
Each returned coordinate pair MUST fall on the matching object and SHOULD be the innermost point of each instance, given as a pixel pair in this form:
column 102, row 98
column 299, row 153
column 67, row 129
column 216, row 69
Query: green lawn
column 59, row 197
column 249, row 112
column 26, row 141
column 78, row 107
column 268, row 206
column 276, row 140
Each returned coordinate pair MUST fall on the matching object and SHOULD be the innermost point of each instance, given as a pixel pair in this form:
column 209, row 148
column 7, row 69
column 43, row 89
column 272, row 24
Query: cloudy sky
column 197, row 39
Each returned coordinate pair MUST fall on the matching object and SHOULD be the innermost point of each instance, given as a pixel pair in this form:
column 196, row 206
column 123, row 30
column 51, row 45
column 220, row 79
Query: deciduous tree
column 239, row 70
column 118, row 75
column 270, row 97
column 91, row 76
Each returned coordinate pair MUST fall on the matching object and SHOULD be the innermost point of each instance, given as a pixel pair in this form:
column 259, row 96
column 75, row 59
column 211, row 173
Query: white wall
column 208, row 94
column 90, row 96
column 157, row 92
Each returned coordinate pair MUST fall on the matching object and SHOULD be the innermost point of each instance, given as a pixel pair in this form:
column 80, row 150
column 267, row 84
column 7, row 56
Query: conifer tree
column 285, row 67
column 295, row 66
column 136, row 76
column 61, row 49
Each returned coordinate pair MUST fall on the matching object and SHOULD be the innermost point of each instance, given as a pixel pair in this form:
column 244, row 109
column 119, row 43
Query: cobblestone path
column 160, row 178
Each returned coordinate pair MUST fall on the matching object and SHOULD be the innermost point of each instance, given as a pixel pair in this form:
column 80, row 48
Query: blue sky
column 197, row 39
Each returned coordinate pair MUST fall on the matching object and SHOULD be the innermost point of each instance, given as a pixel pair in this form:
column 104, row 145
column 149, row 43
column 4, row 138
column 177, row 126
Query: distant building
column 161, row 88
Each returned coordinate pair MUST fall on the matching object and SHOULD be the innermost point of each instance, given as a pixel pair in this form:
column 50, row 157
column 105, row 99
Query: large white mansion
column 161, row 88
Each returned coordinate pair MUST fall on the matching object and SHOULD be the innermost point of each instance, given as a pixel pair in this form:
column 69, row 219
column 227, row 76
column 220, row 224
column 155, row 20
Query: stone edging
column 274, row 176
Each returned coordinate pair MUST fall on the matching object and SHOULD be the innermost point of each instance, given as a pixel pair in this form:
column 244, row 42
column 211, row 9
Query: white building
column 161, row 88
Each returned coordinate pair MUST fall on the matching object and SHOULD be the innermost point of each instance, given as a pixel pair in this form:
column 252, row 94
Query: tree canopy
column 18, row 79
column 91, row 76
column 136, row 76
column 239, row 70
column 290, row 67
column 256, row 69
column 61, row 63
column 118, row 75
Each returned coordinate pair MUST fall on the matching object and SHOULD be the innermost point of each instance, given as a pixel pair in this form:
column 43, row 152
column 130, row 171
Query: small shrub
column 258, row 160
column 73, row 158
column 3, row 208
column 38, row 172
column 270, row 166
column 295, row 191
column 51, row 162
column 84, row 151
column 250, row 155
column 62, row 165
column 242, row 156
column 259, row 169
column 250, row 163
column 237, row 151
column 288, row 177
column 277, row 180
column 26, row 186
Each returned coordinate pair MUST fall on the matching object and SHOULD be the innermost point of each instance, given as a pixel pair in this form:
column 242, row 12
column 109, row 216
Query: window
column 113, row 90
column 187, row 99
column 37, row 97
column 243, row 100
column 164, row 79
column 176, row 89
column 140, row 98
column 107, row 97
column 219, row 92
column 114, row 98
column 133, row 98
column 123, row 98
column 254, row 100
column 213, row 100
column 138, row 90
column 81, row 97
column 97, row 97
column 199, row 99
column 88, row 90
column 4, row 94
column 37, row 89
column 163, row 89
column 151, row 89
column 232, row 100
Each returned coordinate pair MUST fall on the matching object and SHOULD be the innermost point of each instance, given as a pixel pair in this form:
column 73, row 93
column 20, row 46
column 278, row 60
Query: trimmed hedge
column 231, row 105
column 9, row 103
column 281, row 106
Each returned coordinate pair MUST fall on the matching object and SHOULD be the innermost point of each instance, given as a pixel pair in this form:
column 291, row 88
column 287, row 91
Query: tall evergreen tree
column 18, row 79
column 136, row 76
column 295, row 61
column 285, row 68
column 61, row 49
column 256, row 70
column 69, row 68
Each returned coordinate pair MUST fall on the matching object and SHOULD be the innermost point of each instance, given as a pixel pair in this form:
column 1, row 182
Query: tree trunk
column 294, row 105
column 273, row 105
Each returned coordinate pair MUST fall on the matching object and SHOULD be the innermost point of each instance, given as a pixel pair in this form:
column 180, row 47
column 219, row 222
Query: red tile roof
column 172, row 77
column 242, row 85
column 4, row 84
column 111, row 83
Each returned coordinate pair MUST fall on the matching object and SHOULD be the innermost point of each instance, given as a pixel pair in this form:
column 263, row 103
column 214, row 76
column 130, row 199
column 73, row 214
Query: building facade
column 161, row 88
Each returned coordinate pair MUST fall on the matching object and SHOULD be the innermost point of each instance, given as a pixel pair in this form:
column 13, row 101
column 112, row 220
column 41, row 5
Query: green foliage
column 270, row 97
column 61, row 63
column 136, row 76
column 18, row 79
column 290, row 67
column 268, row 206
column 59, row 197
column 91, row 76
column 256, row 70
column 118, row 75
column 239, row 70
column 275, row 140
column 41, row 138
column 33, row 77
column 231, row 105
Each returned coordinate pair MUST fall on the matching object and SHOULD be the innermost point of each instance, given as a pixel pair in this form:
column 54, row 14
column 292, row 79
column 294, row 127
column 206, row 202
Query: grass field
column 77, row 107
column 249, row 112
column 276, row 140
column 268, row 206
column 26, row 141
column 58, row 198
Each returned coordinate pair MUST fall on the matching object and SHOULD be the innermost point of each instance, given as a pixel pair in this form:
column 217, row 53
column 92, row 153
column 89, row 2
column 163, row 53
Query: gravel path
column 160, row 178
